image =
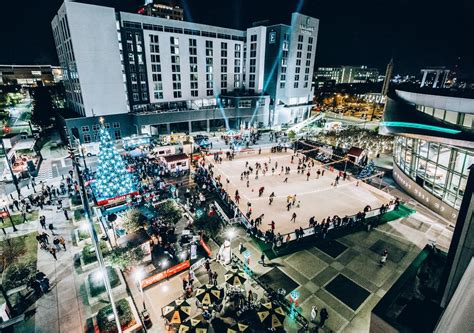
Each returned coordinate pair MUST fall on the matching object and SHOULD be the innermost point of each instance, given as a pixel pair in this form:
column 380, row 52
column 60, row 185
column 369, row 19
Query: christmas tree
column 112, row 178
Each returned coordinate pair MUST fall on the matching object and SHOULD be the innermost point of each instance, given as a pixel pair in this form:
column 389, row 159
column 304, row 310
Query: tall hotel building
column 153, row 75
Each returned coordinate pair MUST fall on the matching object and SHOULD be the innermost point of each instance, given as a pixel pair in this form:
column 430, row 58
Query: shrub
column 76, row 200
column 125, row 316
column 211, row 226
column 133, row 220
column 169, row 212
column 123, row 257
column 88, row 252
column 97, row 286
column 18, row 274
column 79, row 214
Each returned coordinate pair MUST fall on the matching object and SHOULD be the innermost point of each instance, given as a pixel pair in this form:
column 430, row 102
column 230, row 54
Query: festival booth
column 23, row 158
column 167, row 150
column 176, row 163
column 356, row 155
column 136, row 141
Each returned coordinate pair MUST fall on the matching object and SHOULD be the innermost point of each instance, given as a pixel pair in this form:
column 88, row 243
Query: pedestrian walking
column 210, row 275
column 62, row 242
column 51, row 228
column 52, row 250
column 383, row 260
column 66, row 214
column 43, row 222
column 214, row 278
column 56, row 243
column 262, row 260
column 286, row 180
column 324, row 316
column 314, row 314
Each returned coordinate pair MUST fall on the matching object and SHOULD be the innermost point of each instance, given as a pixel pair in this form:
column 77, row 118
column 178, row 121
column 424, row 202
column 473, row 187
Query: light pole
column 92, row 231
column 138, row 276
column 5, row 209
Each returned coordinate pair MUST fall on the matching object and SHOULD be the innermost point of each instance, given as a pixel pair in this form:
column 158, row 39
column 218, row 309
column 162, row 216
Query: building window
column 177, row 94
column 117, row 134
column 87, row 138
column 295, row 85
column 116, row 125
column 85, row 128
column 253, row 38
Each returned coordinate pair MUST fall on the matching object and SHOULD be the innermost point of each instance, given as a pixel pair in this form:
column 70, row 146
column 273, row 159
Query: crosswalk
column 45, row 172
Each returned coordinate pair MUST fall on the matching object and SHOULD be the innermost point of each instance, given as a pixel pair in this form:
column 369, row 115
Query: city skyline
column 350, row 34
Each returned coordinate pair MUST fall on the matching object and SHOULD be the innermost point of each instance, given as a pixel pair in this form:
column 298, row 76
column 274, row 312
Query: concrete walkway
column 60, row 310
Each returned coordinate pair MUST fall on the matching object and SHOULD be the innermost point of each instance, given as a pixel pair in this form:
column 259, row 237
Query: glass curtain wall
column 441, row 170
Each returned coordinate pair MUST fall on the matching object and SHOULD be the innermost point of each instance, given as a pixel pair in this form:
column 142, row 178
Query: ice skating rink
column 316, row 197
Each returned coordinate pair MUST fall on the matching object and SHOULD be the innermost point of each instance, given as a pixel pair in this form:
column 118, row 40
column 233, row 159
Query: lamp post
column 138, row 276
column 92, row 231
column 10, row 218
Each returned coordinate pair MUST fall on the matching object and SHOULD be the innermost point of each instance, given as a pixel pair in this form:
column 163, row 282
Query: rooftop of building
column 448, row 92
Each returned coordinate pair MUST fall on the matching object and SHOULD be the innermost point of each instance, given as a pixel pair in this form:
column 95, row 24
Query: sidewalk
column 60, row 310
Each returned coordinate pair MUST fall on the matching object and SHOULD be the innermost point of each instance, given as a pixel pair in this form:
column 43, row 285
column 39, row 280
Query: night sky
column 418, row 33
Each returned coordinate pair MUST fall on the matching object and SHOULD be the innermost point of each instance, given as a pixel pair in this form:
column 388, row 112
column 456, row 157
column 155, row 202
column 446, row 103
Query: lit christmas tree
column 112, row 178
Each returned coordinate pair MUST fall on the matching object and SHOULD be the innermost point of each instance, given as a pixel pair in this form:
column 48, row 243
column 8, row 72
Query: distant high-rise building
column 388, row 77
column 347, row 74
column 163, row 9
column 434, row 77
column 30, row 75
column 359, row 74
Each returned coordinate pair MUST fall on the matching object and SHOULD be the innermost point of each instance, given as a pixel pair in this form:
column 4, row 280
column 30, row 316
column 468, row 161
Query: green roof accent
column 418, row 126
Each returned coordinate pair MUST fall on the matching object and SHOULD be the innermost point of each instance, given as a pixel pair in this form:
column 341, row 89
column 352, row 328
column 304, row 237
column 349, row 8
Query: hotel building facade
column 151, row 75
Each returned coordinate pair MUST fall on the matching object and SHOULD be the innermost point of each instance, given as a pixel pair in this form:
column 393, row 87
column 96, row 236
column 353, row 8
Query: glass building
column 433, row 146
column 439, row 169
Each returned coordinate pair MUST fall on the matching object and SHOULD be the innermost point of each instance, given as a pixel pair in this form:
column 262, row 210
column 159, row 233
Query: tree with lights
column 112, row 177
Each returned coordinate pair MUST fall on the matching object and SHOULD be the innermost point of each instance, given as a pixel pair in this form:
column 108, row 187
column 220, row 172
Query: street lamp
column 138, row 276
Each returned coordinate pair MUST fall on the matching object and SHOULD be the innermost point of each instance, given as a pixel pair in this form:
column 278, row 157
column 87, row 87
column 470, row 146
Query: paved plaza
column 314, row 197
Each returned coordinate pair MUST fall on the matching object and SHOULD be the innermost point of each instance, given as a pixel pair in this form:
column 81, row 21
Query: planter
column 90, row 261
column 82, row 235
column 129, row 318
column 96, row 289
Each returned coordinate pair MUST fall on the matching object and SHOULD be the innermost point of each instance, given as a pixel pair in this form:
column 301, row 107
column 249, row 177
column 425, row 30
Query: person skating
column 293, row 217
